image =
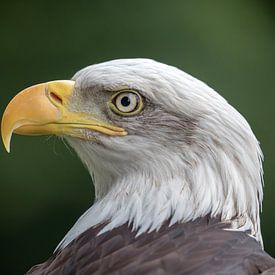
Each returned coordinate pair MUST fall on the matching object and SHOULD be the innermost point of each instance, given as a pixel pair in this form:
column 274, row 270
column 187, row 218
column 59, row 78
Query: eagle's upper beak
column 43, row 109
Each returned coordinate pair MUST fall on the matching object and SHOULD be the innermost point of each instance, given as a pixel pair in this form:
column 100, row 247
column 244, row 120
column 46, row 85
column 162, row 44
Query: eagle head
column 160, row 145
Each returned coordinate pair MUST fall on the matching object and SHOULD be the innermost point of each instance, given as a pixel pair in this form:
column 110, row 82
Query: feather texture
column 198, row 247
column 188, row 158
column 187, row 154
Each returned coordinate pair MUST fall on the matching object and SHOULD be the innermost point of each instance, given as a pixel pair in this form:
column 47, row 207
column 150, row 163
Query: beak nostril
column 56, row 98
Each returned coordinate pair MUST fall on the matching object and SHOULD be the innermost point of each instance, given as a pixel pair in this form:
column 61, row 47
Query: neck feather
column 214, row 184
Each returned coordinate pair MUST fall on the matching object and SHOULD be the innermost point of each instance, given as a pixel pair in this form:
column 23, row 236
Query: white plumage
column 189, row 154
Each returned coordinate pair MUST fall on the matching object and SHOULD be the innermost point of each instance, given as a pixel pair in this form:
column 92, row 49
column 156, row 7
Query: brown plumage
column 199, row 247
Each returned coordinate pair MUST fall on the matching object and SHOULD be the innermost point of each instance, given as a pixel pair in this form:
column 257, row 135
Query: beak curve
column 42, row 109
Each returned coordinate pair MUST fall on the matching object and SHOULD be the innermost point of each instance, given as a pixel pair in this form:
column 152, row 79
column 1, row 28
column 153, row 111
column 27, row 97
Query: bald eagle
column 177, row 171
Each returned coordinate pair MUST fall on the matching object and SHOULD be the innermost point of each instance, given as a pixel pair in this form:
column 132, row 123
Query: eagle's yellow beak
column 43, row 109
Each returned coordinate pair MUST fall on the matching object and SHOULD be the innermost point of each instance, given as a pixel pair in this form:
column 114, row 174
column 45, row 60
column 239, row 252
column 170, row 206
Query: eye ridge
column 126, row 103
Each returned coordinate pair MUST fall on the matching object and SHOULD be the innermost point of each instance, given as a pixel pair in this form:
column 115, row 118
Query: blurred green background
column 227, row 44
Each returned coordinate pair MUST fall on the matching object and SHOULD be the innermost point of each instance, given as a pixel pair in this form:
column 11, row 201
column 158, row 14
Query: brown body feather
column 198, row 247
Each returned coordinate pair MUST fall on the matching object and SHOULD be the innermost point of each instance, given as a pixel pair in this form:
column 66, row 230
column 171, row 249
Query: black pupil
column 125, row 101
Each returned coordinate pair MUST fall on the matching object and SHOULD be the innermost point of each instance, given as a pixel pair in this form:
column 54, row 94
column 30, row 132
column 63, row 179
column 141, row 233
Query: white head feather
column 187, row 155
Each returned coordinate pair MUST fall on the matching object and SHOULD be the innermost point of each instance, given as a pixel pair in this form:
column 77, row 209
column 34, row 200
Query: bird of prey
column 177, row 171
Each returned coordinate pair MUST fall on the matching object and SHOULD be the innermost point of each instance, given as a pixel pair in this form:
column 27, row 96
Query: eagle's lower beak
column 43, row 109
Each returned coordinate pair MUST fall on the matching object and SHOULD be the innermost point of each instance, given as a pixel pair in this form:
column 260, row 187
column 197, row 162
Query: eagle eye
column 126, row 103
